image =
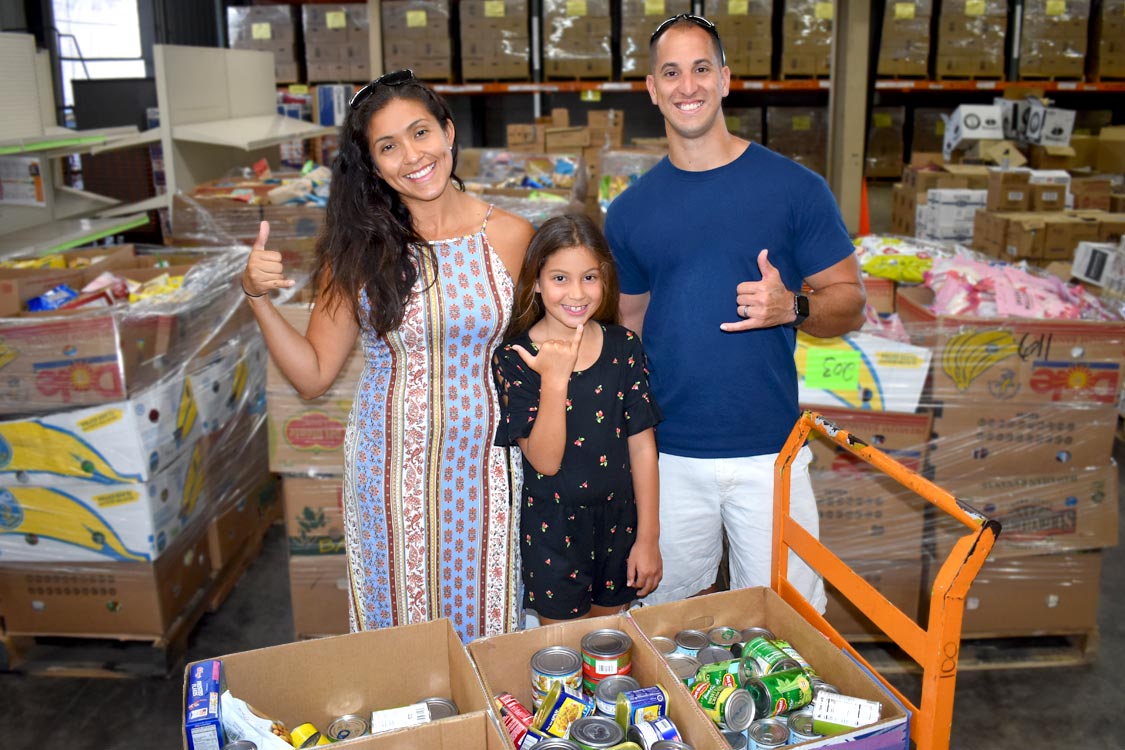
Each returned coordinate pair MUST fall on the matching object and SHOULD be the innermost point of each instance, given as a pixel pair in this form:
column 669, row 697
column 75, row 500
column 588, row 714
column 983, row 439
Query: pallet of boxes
column 135, row 487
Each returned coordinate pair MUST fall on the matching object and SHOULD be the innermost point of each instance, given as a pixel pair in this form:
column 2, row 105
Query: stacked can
column 555, row 665
column 768, row 733
column 663, row 645
column 560, row 710
column 648, row 733
column 646, row 704
column 801, row 726
column 684, row 667
column 780, row 692
column 690, row 642
column 729, row 707
column 596, row 733
column 605, row 653
column 769, row 657
column 605, row 697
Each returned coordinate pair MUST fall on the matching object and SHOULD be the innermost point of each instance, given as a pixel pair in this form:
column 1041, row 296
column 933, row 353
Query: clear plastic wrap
column 417, row 35
column 807, row 38
column 905, row 43
column 337, row 42
column 495, row 44
column 801, row 133
column 885, row 142
column 638, row 20
column 620, row 169
column 746, row 31
column 1053, row 40
column 534, row 186
column 271, row 28
column 577, row 38
column 971, row 37
column 1108, row 31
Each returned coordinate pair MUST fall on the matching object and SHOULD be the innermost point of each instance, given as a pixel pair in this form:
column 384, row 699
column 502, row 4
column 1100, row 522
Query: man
column 712, row 246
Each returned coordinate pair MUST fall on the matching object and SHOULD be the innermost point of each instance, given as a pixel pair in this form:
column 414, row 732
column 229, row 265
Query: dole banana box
column 860, row 371
column 119, row 443
column 229, row 381
column 61, row 519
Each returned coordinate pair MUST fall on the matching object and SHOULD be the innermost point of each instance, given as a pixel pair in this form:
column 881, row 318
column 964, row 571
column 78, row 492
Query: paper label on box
column 110, row 499
column 898, row 359
column 397, row 718
column 802, row 122
column 415, row 19
column 974, row 7
column 590, row 95
column 336, row 19
column 939, row 127
column 494, row 8
column 576, row 7
column 101, row 419
column 1051, row 196
column 1015, row 195
column 882, row 120
column 833, row 714
column 832, row 370
column 298, row 89
column 904, row 11
column 823, row 11
column 260, row 31
column 655, row 8
column 738, row 7
column 1056, row 7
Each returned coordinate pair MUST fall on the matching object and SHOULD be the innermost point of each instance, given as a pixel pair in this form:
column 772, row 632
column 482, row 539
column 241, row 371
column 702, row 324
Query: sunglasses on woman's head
column 395, row 78
column 699, row 21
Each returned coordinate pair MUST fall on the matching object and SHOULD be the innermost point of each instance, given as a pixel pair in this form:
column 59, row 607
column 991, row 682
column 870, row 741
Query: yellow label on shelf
column 939, row 127
column 738, row 7
column 904, row 11
column 974, row 7
column 415, row 19
column 336, row 19
column 298, row 88
column 802, row 122
column 261, row 31
column 655, row 8
column 591, row 95
column 823, row 11
column 494, row 8
column 882, row 120
column 1056, row 7
column 576, row 7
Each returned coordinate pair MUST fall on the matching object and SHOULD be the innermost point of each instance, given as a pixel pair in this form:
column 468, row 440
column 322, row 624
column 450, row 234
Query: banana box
column 230, row 381
column 118, row 443
column 860, row 371
column 71, row 520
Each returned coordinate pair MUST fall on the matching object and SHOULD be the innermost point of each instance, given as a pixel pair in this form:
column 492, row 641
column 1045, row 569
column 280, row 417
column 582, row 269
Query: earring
column 450, row 148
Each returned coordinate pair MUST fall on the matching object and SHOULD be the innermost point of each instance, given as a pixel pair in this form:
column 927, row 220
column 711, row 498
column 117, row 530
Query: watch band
column 800, row 310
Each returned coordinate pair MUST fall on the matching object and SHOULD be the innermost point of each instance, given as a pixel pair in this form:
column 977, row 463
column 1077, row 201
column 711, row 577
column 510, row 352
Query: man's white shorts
column 701, row 496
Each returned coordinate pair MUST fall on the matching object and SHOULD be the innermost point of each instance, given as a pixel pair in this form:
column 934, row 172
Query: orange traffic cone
column 864, row 212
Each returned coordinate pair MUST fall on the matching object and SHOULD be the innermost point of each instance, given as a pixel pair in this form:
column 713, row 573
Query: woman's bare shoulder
column 509, row 236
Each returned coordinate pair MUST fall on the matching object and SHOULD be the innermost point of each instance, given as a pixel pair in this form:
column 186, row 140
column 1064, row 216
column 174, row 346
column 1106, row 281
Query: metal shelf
column 922, row 86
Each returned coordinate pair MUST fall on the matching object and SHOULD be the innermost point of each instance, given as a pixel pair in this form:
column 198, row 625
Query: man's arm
column 838, row 300
column 631, row 311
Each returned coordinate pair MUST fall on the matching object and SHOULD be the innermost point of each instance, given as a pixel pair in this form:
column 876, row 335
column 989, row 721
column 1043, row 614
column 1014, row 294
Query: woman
column 425, row 273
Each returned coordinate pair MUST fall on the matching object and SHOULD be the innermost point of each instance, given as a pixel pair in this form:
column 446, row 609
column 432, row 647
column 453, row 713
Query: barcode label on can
column 605, row 667
column 397, row 718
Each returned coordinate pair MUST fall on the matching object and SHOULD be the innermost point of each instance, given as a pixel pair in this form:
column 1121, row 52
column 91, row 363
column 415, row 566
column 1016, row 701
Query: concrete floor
column 1014, row 709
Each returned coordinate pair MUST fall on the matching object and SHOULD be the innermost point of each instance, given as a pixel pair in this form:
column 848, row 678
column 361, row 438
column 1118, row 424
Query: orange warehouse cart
column 934, row 648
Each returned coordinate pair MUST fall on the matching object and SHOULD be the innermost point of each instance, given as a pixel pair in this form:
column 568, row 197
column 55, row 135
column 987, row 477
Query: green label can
column 795, row 655
column 770, row 658
column 780, row 692
column 724, row 673
column 729, row 707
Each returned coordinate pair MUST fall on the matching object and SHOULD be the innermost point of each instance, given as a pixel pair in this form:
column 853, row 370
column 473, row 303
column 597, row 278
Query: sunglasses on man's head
column 395, row 78
column 699, row 21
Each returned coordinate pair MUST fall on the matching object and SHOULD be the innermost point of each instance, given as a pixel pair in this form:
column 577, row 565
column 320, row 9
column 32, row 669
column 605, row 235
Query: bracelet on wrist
column 248, row 294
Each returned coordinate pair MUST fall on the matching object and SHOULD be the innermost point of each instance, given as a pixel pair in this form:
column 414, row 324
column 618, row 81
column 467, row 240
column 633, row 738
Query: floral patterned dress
column 429, row 522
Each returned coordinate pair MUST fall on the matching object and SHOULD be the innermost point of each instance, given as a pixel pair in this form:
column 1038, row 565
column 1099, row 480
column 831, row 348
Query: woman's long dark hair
column 559, row 233
column 369, row 241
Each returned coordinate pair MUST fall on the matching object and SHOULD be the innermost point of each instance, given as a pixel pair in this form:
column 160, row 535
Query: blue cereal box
column 203, row 725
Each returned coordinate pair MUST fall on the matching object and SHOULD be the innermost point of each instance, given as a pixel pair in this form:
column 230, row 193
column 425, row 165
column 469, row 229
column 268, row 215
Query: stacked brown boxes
column 745, row 122
column 885, row 142
column 1109, row 40
column 1053, row 39
column 929, row 130
column 577, row 39
column 270, row 28
column 638, row 20
column 495, row 44
column 806, row 38
column 417, row 35
column 801, row 133
column 912, row 191
column 971, row 39
column 337, row 43
column 905, row 43
column 746, row 33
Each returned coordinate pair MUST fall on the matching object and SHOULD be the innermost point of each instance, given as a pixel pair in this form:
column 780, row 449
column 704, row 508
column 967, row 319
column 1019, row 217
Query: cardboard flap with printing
column 1047, row 125
column 860, row 371
column 971, row 122
column 999, row 153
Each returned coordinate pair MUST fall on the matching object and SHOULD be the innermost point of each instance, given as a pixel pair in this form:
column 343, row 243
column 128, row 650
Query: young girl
column 574, row 397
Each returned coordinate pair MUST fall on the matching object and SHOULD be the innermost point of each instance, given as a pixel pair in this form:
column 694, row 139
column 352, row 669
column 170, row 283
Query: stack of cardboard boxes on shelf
column 971, row 36
column 135, row 484
column 747, row 35
column 577, row 39
column 806, row 39
column 638, row 20
column 337, row 42
column 270, row 28
column 885, row 144
column 1107, row 56
column 801, row 133
column 416, row 35
column 904, row 50
column 1053, row 39
column 495, row 43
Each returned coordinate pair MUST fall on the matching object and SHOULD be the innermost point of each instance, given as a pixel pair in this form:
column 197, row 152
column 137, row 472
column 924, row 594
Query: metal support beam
column 847, row 106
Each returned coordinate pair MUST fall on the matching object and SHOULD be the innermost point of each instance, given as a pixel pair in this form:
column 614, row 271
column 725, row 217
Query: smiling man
column 712, row 246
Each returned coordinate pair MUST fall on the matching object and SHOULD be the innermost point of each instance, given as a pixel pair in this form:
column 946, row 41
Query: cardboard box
column 861, row 371
column 903, row 437
column 1068, row 512
column 503, row 660
column 18, row 285
column 107, row 598
column 1008, row 190
column 474, row 731
column 314, row 515
column 1048, row 197
column 1111, row 150
column 971, row 122
column 900, row 581
column 762, row 607
column 427, row 660
column 318, row 592
column 1048, row 126
column 867, row 515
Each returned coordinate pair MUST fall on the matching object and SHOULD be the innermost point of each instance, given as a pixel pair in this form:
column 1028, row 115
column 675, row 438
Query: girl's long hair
column 369, row 241
column 559, row 233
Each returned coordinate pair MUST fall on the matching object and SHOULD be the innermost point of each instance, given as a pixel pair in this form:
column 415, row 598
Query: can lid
column 749, row 634
column 241, row 745
column 724, row 635
column 669, row 745
column 610, row 687
column 557, row 743
column 663, row 644
column 692, row 639
column 347, row 726
column 713, row 655
column 738, row 711
column 801, row 722
column 556, row 660
column 597, row 732
column 769, row 733
column 737, row 740
column 683, row 666
column 606, row 642
column 440, row 708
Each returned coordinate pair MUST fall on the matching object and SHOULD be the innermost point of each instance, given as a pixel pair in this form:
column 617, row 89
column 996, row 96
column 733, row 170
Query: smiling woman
column 425, row 274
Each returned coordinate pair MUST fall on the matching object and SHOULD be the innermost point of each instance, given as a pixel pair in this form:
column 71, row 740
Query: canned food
column 555, row 664
column 646, row 704
column 560, row 709
column 307, row 735
column 605, row 697
column 801, row 726
column 820, row 686
column 729, row 707
column 736, row 740
column 766, row 734
column 346, row 726
column 712, row 654
column 240, row 745
column 647, row 733
column 749, row 634
column 793, row 654
column 724, row 637
column 663, row 644
column 683, row 666
column 728, row 673
column 440, row 708
column 596, row 733
column 605, row 652
column 556, row 743
column 780, row 692
column 671, row 745
column 515, row 716
column 690, row 641
column 769, row 657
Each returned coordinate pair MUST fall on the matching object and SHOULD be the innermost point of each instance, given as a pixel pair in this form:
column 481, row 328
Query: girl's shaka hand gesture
column 556, row 359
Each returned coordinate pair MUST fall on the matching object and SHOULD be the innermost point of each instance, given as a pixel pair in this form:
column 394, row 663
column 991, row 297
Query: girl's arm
column 645, row 565
column 545, row 446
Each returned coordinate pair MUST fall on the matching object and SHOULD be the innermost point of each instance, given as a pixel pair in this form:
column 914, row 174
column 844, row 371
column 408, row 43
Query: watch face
column 801, row 306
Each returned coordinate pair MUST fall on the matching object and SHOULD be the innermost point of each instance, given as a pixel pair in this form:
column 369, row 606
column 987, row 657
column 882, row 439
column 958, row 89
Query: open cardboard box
column 504, row 663
column 761, row 607
column 316, row 681
column 474, row 731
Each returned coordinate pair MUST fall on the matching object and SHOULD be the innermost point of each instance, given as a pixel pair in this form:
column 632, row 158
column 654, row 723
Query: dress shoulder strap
column 484, row 226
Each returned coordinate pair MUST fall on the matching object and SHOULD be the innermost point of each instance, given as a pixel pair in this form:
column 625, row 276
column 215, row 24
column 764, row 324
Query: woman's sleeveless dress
column 429, row 523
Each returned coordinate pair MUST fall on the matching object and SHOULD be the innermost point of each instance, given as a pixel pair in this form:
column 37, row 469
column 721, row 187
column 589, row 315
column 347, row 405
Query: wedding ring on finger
column 744, row 311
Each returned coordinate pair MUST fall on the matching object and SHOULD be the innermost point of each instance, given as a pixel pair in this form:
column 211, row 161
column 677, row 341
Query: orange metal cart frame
column 935, row 648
